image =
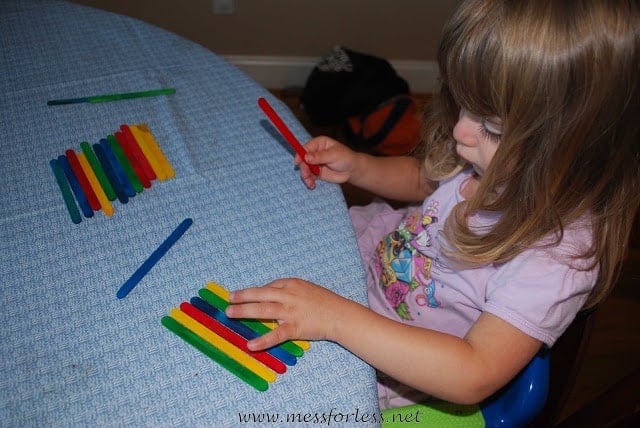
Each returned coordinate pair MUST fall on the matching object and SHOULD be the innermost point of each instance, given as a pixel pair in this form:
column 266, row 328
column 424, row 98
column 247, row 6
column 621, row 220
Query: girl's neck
column 470, row 186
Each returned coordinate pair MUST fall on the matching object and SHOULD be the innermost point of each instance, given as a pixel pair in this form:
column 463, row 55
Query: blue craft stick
column 241, row 329
column 153, row 259
column 75, row 186
column 66, row 191
column 111, row 175
column 117, row 168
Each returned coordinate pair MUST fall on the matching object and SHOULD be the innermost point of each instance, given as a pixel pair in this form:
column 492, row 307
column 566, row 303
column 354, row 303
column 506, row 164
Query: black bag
column 347, row 83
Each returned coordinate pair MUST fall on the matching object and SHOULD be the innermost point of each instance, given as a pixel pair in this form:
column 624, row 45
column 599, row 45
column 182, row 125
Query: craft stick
column 66, row 191
column 95, row 185
column 133, row 160
column 137, row 149
column 256, row 326
column 98, row 171
column 290, row 346
column 224, row 294
column 224, row 346
column 232, row 337
column 216, row 355
column 82, row 180
column 112, row 97
column 286, row 132
column 117, row 168
column 139, row 154
column 110, row 173
column 149, row 153
column 210, row 309
column 150, row 140
column 153, row 258
column 75, row 186
column 124, row 163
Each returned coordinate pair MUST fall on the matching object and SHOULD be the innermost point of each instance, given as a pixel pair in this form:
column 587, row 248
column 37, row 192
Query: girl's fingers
column 271, row 339
column 263, row 311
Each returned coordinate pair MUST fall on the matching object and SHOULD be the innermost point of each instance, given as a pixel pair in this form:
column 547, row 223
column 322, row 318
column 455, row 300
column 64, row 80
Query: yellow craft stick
column 95, row 184
column 151, row 140
column 149, row 153
column 224, row 346
column 223, row 293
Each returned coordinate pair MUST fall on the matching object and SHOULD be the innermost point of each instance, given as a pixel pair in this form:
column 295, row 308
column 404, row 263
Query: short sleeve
column 541, row 290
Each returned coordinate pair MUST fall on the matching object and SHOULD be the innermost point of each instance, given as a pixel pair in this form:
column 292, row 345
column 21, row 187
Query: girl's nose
column 463, row 131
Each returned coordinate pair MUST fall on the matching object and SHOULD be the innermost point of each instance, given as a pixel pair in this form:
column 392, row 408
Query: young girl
column 529, row 182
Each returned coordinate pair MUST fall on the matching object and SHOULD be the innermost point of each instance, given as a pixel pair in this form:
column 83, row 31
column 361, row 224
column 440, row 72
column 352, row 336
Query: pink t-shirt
column 409, row 280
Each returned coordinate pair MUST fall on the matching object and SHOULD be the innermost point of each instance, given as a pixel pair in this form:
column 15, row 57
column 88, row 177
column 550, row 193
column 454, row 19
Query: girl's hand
column 336, row 161
column 304, row 310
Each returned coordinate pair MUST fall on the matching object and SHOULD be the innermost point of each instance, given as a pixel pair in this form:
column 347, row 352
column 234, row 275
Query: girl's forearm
column 400, row 178
column 438, row 364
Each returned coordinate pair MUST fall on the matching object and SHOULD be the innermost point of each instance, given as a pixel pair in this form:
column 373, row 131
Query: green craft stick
column 112, row 97
column 97, row 169
column 130, row 95
column 124, row 161
column 215, row 354
column 69, row 201
column 221, row 304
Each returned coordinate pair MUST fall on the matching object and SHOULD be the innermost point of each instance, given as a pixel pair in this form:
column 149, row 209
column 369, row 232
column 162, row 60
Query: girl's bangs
column 470, row 58
column 472, row 81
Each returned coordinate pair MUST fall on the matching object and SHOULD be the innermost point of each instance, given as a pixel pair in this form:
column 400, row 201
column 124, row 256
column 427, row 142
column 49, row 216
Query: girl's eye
column 490, row 130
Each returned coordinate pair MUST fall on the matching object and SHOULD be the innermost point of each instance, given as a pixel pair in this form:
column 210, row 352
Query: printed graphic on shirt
column 403, row 269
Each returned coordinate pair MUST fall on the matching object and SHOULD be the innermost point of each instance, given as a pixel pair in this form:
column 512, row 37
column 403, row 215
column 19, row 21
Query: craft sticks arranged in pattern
column 203, row 324
column 118, row 167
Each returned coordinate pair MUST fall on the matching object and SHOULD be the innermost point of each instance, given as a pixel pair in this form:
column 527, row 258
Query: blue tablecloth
column 74, row 354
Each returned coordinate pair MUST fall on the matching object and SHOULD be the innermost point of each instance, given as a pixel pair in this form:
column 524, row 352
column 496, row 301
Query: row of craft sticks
column 120, row 166
column 203, row 324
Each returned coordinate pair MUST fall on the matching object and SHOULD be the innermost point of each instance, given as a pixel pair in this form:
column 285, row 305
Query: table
column 74, row 354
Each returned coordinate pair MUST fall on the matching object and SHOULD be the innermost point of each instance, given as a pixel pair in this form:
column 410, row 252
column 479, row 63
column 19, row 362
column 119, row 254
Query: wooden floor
column 614, row 349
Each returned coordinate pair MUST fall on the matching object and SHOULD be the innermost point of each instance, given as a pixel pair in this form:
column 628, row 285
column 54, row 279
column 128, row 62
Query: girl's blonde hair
column 563, row 78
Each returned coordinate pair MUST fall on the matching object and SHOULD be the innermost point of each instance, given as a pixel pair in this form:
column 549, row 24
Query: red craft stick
column 286, row 133
column 142, row 159
column 83, row 180
column 232, row 337
column 133, row 159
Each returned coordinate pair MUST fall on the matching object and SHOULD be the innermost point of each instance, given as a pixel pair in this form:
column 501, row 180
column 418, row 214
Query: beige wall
column 392, row 29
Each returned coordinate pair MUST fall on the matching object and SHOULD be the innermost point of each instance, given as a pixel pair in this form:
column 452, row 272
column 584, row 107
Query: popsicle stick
column 110, row 174
column 106, row 206
column 224, row 346
column 151, row 139
column 224, row 294
column 67, row 196
column 98, row 171
column 290, row 346
column 232, row 337
column 216, row 355
column 210, row 309
column 286, row 132
column 138, row 153
column 124, row 162
column 112, row 97
column 153, row 259
column 82, row 180
column 117, row 168
column 133, row 159
column 149, row 153
column 75, row 186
